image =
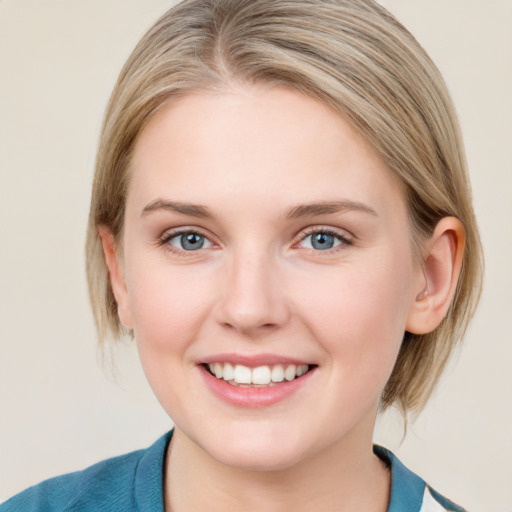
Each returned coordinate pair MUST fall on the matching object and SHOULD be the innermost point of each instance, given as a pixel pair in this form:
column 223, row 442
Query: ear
column 116, row 275
column 442, row 262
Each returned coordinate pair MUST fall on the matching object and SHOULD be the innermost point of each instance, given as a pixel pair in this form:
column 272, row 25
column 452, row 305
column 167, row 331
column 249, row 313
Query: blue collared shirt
column 134, row 483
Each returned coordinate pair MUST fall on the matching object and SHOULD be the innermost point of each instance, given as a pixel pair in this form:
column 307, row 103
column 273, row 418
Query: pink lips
column 247, row 396
column 253, row 360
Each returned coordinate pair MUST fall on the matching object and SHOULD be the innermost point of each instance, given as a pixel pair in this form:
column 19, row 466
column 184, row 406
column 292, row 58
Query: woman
column 281, row 217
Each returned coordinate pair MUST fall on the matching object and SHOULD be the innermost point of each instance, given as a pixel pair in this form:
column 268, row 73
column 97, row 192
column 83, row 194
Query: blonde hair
column 350, row 54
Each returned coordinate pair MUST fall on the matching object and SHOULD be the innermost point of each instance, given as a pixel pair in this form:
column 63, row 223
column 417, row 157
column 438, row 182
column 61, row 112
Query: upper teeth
column 260, row 375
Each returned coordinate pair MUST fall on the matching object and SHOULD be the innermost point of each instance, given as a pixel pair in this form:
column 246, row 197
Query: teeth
column 302, row 369
column 261, row 375
column 290, row 372
column 277, row 373
column 242, row 374
column 229, row 372
column 217, row 369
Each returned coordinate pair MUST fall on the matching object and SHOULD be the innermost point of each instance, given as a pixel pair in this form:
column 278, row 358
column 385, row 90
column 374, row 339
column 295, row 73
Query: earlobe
column 442, row 263
column 116, row 275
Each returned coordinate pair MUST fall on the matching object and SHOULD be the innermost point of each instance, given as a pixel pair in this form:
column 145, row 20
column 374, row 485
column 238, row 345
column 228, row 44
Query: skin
column 250, row 156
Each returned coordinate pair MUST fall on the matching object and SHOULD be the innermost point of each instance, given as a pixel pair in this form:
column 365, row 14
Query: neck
column 346, row 477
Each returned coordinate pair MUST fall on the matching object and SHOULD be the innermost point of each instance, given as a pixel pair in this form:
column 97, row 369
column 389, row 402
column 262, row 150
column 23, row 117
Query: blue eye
column 322, row 241
column 189, row 241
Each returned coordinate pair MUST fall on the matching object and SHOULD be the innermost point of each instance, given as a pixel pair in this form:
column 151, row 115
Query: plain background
column 61, row 411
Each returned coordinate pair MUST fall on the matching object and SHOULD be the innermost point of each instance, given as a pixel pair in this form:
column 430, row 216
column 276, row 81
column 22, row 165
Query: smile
column 241, row 375
column 257, row 381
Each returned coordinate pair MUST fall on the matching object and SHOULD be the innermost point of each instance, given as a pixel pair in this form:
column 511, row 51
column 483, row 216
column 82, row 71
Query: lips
column 255, row 381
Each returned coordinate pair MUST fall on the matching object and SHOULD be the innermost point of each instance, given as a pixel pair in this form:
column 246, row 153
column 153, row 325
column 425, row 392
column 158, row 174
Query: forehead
column 273, row 145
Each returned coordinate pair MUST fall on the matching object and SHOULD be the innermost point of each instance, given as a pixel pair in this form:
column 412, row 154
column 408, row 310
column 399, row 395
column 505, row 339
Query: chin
column 262, row 461
column 262, row 451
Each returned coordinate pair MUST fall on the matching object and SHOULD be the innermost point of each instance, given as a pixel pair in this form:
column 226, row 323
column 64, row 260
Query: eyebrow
column 192, row 210
column 327, row 207
column 302, row 210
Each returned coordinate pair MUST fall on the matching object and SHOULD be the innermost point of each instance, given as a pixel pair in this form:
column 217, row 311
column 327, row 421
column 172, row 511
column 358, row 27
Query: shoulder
column 409, row 491
column 82, row 489
column 111, row 485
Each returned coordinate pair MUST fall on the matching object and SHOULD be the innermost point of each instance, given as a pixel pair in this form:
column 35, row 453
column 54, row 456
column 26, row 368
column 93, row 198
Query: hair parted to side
column 350, row 54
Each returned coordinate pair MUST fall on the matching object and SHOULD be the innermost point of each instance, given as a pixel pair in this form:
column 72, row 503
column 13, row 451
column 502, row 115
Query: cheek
column 358, row 314
column 167, row 305
column 168, row 309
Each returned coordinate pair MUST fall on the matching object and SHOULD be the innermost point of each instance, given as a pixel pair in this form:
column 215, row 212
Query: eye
column 322, row 240
column 188, row 241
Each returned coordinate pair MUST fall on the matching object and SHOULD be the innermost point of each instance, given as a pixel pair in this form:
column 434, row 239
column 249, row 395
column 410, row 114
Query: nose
column 253, row 301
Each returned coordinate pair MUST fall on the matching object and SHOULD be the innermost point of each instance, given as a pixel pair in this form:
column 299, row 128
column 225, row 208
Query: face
column 267, row 272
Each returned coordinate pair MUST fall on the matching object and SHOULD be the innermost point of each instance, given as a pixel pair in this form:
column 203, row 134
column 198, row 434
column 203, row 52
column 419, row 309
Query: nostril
column 247, row 325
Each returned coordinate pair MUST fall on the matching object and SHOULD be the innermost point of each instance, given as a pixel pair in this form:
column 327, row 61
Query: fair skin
column 262, row 231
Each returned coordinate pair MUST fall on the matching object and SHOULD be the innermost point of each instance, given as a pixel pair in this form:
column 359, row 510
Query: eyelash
column 168, row 237
column 165, row 241
column 344, row 240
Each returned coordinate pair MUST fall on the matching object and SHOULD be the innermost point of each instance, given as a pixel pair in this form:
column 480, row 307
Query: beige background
column 59, row 410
